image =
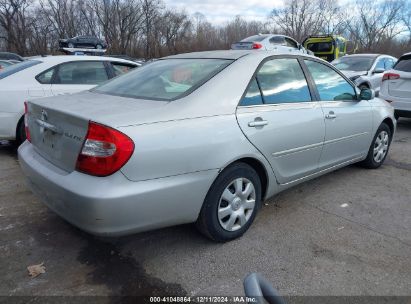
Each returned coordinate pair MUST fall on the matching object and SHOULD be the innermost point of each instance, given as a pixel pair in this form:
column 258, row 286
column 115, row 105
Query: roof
column 64, row 58
column 366, row 55
column 231, row 54
column 222, row 54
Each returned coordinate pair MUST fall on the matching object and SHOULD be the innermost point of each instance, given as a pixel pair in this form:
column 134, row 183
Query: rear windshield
column 355, row 63
column 256, row 38
column 320, row 47
column 403, row 64
column 167, row 79
column 18, row 67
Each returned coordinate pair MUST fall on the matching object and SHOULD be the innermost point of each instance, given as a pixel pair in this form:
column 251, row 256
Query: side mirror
column 367, row 94
column 378, row 71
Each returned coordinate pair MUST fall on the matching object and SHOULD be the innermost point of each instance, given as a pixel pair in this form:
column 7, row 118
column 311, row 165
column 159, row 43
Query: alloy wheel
column 381, row 146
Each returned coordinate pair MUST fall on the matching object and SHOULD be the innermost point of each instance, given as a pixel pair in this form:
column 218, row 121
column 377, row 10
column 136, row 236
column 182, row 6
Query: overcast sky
column 220, row 11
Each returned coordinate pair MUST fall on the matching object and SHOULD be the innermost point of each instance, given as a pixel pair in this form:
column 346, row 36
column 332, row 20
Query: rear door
column 348, row 121
column 76, row 76
column 280, row 119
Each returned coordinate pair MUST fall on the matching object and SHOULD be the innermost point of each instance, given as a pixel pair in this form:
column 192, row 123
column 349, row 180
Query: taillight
column 257, row 46
column 390, row 76
column 104, row 151
column 26, row 121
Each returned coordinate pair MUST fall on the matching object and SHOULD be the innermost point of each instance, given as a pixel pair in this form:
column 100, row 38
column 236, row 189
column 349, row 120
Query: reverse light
column 257, row 46
column 104, row 151
column 390, row 76
column 26, row 121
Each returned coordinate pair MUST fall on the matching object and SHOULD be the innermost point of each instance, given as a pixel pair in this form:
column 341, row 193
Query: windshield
column 320, row 47
column 167, row 79
column 357, row 63
column 18, row 67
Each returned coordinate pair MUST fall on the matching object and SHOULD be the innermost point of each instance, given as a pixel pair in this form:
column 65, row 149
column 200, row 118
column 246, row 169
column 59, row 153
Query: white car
column 270, row 42
column 396, row 86
column 49, row 76
column 365, row 70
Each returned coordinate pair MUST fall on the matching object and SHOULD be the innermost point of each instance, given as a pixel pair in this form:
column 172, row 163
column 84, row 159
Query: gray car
column 365, row 70
column 200, row 137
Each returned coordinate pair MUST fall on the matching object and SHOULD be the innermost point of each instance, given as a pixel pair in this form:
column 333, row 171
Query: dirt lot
column 346, row 233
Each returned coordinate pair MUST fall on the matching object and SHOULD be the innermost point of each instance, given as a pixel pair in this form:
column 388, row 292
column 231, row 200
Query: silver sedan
column 200, row 137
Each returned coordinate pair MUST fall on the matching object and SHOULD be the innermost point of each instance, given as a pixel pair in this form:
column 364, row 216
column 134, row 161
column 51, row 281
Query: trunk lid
column 56, row 136
column 58, row 125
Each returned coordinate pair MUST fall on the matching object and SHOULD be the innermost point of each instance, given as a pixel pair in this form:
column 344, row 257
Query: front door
column 280, row 119
column 348, row 121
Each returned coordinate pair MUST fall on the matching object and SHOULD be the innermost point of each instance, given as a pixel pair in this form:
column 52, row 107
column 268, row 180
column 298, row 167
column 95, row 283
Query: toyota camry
column 201, row 137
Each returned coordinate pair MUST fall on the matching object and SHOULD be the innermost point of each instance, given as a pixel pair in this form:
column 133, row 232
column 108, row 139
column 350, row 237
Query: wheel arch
column 388, row 121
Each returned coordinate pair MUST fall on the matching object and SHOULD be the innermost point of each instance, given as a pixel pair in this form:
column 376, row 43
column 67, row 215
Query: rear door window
column 330, row 85
column 253, row 95
column 283, row 81
column 81, row 72
column 46, row 77
column 403, row 64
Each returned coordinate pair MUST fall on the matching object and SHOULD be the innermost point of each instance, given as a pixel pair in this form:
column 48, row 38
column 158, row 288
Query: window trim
column 310, row 87
column 335, row 70
column 57, row 67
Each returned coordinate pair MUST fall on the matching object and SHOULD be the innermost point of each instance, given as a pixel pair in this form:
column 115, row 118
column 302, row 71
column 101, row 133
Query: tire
column 99, row 47
column 363, row 86
column 236, row 208
column 375, row 158
column 20, row 133
column 70, row 45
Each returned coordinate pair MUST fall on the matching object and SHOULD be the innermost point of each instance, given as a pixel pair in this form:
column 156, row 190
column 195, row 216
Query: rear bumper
column 399, row 104
column 114, row 205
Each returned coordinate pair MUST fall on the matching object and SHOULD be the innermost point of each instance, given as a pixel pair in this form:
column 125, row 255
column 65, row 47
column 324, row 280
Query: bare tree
column 376, row 22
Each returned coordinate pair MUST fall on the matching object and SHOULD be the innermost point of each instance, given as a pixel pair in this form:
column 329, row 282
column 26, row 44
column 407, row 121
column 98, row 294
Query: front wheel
column 99, row 46
column 379, row 148
column 70, row 45
column 231, row 203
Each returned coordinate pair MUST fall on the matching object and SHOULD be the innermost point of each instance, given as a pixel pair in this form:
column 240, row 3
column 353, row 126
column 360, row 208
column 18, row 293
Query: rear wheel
column 231, row 203
column 99, row 46
column 379, row 148
column 70, row 45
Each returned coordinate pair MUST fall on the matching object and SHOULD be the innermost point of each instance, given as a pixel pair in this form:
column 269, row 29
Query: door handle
column 331, row 115
column 258, row 123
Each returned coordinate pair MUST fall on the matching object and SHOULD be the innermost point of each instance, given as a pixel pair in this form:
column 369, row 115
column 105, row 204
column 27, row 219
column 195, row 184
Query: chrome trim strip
column 312, row 146
column 295, row 150
column 331, row 141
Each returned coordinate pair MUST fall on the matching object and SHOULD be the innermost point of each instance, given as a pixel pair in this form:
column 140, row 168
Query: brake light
column 390, row 76
column 26, row 121
column 104, row 151
column 257, row 46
